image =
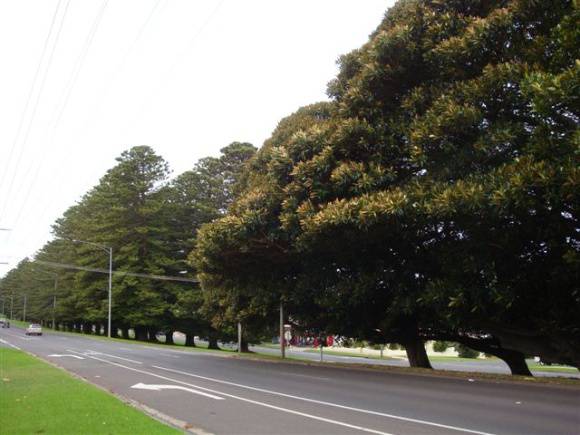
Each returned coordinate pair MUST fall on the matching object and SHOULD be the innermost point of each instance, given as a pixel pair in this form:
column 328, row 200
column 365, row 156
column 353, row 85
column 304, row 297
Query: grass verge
column 36, row 397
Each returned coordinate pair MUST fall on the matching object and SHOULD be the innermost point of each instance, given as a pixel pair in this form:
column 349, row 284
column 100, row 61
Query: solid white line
column 336, row 405
column 18, row 336
column 114, row 356
column 304, row 376
column 10, row 344
column 243, row 399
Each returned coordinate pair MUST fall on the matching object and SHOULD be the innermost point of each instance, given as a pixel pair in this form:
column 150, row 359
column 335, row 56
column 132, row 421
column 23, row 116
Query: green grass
column 37, row 398
column 435, row 358
column 559, row 369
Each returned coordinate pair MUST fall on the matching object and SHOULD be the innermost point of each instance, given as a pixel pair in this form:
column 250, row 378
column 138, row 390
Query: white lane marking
column 336, row 405
column 94, row 352
column 124, row 348
column 305, row 376
column 18, row 336
column 243, row 399
column 10, row 344
column 154, row 387
column 56, row 355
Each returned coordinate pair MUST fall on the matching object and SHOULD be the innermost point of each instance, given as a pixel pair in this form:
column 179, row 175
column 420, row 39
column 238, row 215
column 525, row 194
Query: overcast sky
column 81, row 81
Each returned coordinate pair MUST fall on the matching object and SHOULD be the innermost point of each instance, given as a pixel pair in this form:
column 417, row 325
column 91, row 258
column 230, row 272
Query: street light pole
column 54, row 312
column 110, row 290
column 109, row 250
column 24, row 310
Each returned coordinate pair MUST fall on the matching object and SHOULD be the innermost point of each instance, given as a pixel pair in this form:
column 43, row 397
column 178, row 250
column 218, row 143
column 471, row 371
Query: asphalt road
column 224, row 395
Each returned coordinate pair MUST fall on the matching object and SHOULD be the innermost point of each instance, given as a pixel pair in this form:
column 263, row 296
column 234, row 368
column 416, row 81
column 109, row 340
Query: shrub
column 441, row 346
column 466, row 352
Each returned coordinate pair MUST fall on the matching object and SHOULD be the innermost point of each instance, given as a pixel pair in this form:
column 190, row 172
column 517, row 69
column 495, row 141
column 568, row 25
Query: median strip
column 60, row 403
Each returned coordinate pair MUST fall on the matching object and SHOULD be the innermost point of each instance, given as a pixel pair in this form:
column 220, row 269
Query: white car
column 34, row 329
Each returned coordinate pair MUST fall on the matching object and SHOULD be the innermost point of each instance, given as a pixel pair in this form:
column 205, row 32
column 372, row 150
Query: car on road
column 34, row 329
column 4, row 322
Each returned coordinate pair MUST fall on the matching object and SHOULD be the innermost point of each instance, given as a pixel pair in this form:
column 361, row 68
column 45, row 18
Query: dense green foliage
column 434, row 197
column 150, row 224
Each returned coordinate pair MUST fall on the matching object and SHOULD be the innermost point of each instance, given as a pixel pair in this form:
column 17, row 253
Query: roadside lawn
column 36, row 397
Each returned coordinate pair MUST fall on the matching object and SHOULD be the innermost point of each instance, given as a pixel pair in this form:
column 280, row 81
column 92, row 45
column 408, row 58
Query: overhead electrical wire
column 180, row 56
column 116, row 272
column 155, row 9
column 66, row 96
column 27, row 103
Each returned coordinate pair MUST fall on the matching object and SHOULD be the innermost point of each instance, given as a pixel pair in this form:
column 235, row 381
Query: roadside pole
column 110, row 290
column 239, row 337
column 321, row 352
column 54, row 313
column 282, row 344
column 24, row 310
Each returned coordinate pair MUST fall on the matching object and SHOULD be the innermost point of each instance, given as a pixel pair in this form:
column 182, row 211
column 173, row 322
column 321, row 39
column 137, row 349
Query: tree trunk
column 125, row 332
column 516, row 361
column 416, row 354
column 141, row 333
column 190, row 339
column 245, row 346
column 213, row 341
column 152, row 335
column 169, row 337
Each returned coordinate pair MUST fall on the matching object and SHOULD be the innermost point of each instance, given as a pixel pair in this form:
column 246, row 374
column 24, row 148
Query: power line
column 67, row 93
column 117, row 272
column 188, row 47
column 120, row 66
column 28, row 99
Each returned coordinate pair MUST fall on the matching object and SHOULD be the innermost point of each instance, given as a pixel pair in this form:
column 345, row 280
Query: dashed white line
column 243, row 399
column 94, row 352
column 335, row 405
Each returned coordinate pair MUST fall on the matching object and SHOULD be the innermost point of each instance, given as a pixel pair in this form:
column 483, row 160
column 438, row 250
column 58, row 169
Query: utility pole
column 24, row 310
column 239, row 337
column 11, row 305
column 282, row 344
column 54, row 312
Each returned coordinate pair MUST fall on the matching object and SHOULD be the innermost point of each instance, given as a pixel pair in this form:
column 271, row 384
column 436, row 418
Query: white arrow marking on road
column 72, row 356
column 141, row 386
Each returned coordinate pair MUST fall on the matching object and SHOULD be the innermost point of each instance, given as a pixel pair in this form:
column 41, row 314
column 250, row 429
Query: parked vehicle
column 4, row 322
column 34, row 329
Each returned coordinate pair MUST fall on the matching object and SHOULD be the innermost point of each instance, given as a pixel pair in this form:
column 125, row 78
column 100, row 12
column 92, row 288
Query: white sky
column 186, row 77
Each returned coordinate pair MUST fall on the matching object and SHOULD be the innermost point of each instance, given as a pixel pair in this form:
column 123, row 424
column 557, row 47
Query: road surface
column 224, row 395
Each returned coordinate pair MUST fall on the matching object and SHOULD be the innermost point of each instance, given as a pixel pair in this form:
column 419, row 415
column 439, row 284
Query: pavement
column 219, row 394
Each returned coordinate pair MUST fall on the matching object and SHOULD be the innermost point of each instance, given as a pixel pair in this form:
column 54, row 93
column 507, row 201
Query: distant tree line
column 434, row 197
